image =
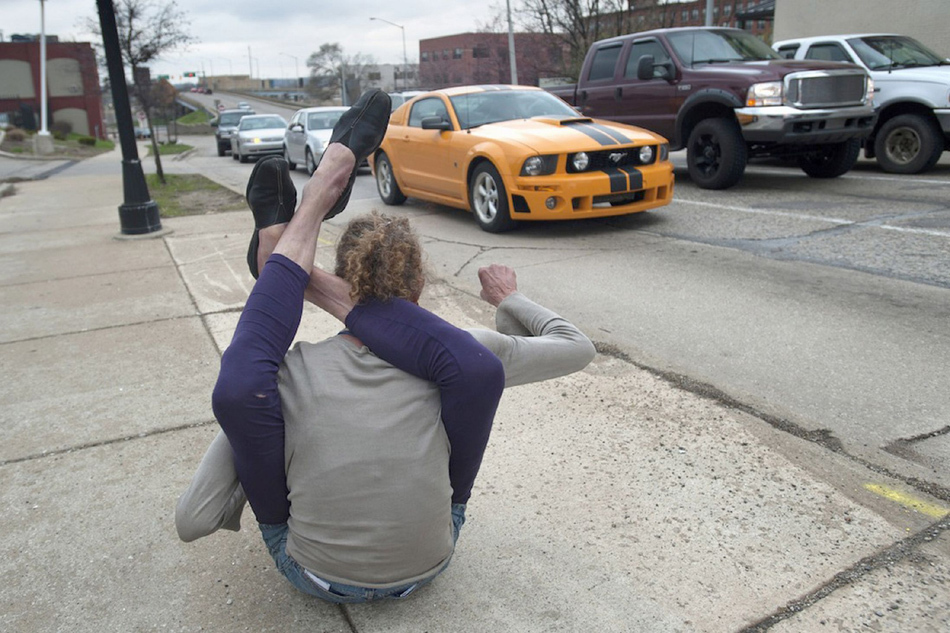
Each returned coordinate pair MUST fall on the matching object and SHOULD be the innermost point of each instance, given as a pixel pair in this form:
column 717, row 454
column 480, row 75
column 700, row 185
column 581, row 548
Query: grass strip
column 191, row 194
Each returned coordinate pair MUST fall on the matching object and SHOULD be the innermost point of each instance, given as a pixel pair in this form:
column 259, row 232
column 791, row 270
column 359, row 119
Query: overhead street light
column 405, row 59
column 296, row 69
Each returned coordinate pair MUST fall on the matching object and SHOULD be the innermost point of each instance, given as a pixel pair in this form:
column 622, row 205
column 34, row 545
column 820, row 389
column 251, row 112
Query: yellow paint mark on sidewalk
column 908, row 501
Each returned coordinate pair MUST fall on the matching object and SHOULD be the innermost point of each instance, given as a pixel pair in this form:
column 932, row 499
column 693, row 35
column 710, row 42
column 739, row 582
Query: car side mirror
column 436, row 123
column 646, row 66
column 297, row 127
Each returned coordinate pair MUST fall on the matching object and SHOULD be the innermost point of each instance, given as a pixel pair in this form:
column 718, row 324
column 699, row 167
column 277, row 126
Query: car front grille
column 600, row 160
column 823, row 89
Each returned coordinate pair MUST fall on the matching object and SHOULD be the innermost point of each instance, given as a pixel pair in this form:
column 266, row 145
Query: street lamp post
column 512, row 57
column 43, row 143
column 405, row 59
column 296, row 70
column 138, row 214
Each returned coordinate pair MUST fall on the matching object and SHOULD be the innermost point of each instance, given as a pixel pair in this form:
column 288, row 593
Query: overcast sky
column 225, row 29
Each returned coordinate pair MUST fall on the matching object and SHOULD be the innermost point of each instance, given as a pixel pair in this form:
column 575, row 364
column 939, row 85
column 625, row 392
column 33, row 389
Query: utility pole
column 511, row 47
column 43, row 143
column 405, row 58
column 138, row 214
column 709, row 12
column 250, row 63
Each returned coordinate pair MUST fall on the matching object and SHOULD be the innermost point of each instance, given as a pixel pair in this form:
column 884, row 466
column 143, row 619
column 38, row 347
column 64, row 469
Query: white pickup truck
column 911, row 94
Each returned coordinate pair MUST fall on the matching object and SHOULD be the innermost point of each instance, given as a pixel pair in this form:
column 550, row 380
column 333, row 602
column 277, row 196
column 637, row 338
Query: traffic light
column 190, row 74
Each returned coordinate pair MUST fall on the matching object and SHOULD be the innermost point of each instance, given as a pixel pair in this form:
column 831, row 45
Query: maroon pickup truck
column 725, row 96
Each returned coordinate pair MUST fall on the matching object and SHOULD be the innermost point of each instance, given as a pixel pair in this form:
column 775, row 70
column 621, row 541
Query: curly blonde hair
column 381, row 257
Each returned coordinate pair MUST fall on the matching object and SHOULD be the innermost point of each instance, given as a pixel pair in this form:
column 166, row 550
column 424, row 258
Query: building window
column 715, row 12
column 457, row 53
column 480, row 51
column 375, row 76
column 684, row 15
column 695, row 14
column 761, row 25
column 727, row 10
column 424, row 57
column 445, row 54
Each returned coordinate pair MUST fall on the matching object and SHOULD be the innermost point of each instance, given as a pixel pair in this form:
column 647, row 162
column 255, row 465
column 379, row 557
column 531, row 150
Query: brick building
column 754, row 16
column 72, row 81
column 482, row 58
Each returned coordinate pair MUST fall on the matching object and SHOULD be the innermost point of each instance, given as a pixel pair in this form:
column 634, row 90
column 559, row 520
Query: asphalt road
column 821, row 305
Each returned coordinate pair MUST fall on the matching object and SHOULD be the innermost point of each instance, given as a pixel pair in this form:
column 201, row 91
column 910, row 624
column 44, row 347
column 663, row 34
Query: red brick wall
column 90, row 100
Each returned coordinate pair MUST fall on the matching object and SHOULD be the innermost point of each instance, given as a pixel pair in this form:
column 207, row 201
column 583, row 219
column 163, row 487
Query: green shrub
column 61, row 129
column 16, row 135
column 86, row 140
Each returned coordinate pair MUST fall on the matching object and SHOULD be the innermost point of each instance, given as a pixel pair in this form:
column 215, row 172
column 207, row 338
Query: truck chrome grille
column 824, row 89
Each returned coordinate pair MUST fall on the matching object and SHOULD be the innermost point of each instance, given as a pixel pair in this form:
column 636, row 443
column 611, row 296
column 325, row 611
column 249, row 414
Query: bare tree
column 330, row 68
column 147, row 30
column 579, row 23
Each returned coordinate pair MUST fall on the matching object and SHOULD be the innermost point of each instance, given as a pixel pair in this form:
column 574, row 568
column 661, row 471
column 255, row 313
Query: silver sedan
column 308, row 134
column 258, row 135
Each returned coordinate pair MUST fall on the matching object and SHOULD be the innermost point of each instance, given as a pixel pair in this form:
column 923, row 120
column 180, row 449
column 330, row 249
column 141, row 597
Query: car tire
column 241, row 157
column 831, row 160
column 220, row 150
column 290, row 164
column 234, row 156
column 386, row 183
column 489, row 200
column 309, row 162
column 716, row 154
column 908, row 144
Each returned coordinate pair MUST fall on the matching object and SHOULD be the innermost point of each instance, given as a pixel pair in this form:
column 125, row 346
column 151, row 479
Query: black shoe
column 361, row 129
column 272, row 197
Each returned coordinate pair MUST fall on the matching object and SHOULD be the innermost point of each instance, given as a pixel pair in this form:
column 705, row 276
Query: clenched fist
column 497, row 283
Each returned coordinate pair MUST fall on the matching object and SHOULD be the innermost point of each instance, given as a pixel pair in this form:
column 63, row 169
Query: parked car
column 244, row 105
column 143, row 132
column 227, row 123
column 258, row 135
column 511, row 153
column 399, row 98
column 725, row 96
column 308, row 134
column 911, row 98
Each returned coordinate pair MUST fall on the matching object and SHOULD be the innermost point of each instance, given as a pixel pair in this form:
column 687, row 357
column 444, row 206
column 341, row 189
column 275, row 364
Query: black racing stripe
column 636, row 177
column 614, row 134
column 618, row 180
column 591, row 131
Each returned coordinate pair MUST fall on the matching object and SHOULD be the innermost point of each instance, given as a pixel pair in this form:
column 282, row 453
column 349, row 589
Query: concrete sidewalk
column 610, row 500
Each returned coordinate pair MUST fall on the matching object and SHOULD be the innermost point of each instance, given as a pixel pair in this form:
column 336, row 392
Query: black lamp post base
column 139, row 218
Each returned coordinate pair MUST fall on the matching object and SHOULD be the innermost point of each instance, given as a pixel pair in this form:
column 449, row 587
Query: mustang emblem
column 616, row 157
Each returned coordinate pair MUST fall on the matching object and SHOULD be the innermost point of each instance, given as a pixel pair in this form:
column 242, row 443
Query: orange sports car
column 512, row 153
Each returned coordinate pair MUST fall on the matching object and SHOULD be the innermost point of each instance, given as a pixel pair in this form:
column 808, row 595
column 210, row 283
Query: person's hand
column 497, row 283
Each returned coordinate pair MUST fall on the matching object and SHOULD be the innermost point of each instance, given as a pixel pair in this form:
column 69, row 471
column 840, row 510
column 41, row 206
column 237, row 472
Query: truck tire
column 908, row 144
column 831, row 160
column 386, row 183
column 489, row 200
column 716, row 154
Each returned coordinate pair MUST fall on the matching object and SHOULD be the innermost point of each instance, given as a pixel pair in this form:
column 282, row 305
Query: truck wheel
column 489, row 200
column 831, row 160
column 386, row 183
column 908, row 144
column 716, row 154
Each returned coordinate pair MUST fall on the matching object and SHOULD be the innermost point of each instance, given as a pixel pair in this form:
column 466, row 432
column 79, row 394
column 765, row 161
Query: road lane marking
column 818, row 218
column 918, row 505
column 852, row 176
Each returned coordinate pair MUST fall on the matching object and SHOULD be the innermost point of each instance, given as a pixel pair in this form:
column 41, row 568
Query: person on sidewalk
column 368, row 501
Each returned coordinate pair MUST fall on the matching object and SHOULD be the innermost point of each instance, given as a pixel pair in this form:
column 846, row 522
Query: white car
column 911, row 94
column 399, row 98
column 258, row 135
column 308, row 134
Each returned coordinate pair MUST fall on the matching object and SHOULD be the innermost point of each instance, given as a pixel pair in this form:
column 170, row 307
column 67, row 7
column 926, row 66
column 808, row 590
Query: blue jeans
column 275, row 537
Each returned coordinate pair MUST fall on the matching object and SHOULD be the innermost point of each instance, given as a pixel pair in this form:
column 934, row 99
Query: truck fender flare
column 718, row 99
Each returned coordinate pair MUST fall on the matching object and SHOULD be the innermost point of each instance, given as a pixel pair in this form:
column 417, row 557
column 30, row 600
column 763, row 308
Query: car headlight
column 765, row 94
column 646, row 155
column 870, row 90
column 664, row 151
column 580, row 161
column 539, row 166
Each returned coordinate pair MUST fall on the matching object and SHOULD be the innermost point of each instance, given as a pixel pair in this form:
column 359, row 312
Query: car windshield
column 719, row 47
column 232, row 118
column 479, row 108
column 893, row 52
column 322, row 120
column 261, row 123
